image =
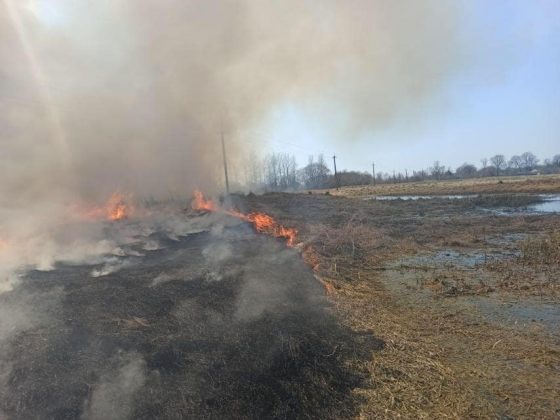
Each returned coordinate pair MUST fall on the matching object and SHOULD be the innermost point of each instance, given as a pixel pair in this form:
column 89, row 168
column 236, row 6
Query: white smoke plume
column 132, row 95
column 113, row 396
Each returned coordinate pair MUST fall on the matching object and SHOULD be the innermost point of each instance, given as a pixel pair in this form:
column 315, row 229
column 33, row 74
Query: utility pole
column 335, row 173
column 373, row 172
column 225, row 161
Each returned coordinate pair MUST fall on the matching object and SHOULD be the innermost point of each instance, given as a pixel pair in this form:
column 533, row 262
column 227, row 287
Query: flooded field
column 539, row 203
column 550, row 204
column 465, row 281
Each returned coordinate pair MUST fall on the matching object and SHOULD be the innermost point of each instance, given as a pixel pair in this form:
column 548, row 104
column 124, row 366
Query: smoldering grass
column 161, row 279
column 113, row 395
column 111, row 265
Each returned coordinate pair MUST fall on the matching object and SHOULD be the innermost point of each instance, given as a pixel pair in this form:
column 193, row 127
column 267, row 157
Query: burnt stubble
column 238, row 327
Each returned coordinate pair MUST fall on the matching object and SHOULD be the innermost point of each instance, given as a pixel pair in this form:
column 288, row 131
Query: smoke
column 113, row 396
column 142, row 89
column 133, row 95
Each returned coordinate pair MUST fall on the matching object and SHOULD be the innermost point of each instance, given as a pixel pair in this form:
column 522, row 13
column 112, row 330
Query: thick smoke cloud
column 142, row 89
column 132, row 95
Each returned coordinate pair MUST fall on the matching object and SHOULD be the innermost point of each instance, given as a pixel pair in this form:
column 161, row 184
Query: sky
column 505, row 100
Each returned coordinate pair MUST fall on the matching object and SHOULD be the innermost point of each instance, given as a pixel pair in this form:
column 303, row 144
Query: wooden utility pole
column 225, row 162
column 373, row 172
column 335, row 173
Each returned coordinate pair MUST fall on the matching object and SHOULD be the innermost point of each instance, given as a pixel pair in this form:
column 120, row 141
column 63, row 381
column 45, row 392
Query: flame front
column 202, row 204
column 117, row 208
column 263, row 223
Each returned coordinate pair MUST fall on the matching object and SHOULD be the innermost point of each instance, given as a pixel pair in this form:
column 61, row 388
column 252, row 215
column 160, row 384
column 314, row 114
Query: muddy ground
column 464, row 293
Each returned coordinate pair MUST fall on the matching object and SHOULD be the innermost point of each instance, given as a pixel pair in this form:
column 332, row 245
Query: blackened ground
column 233, row 326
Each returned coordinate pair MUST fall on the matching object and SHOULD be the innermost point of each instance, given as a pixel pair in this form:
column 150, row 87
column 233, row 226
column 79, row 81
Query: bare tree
column 316, row 173
column 253, row 170
column 287, row 170
column 515, row 162
column 556, row 160
column 484, row 162
column 466, row 170
column 499, row 162
column 529, row 160
column 437, row 170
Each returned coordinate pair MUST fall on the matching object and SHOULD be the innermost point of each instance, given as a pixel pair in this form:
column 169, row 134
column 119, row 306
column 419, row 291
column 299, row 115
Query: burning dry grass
column 262, row 222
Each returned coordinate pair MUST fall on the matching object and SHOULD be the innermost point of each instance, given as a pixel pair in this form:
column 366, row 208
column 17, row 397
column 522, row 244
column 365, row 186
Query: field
column 426, row 308
column 490, row 185
column 463, row 293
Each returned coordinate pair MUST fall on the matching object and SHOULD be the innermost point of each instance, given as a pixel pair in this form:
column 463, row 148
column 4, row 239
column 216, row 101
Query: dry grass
column 536, row 271
column 443, row 364
column 439, row 361
column 542, row 250
column 437, row 366
column 489, row 185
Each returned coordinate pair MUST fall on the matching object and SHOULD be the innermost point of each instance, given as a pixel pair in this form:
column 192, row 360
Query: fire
column 117, row 208
column 263, row 223
column 201, row 204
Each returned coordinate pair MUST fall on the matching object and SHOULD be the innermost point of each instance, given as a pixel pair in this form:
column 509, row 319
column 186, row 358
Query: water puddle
column 448, row 257
column 527, row 313
column 456, row 280
column 418, row 197
column 551, row 204
column 546, row 203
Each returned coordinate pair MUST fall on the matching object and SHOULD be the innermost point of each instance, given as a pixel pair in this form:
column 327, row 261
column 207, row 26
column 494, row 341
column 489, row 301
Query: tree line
column 279, row 172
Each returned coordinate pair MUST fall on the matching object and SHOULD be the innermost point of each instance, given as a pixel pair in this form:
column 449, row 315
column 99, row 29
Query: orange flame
column 263, row 223
column 202, row 204
column 117, row 208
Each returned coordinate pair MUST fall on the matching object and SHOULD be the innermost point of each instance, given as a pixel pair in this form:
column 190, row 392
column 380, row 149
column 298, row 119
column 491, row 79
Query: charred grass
column 260, row 342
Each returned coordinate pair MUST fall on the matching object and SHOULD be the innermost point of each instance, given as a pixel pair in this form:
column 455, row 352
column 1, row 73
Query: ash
column 222, row 323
